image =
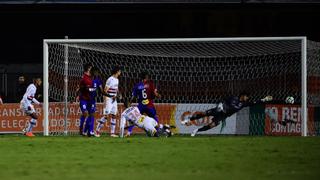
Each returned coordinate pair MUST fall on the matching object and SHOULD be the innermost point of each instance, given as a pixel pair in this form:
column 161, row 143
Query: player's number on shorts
column 144, row 94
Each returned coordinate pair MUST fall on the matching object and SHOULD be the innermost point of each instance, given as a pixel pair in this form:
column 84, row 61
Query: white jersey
column 28, row 97
column 112, row 85
column 133, row 115
column 111, row 105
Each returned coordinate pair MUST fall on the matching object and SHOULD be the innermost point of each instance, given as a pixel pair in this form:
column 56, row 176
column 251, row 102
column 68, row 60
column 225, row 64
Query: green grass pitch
column 138, row 158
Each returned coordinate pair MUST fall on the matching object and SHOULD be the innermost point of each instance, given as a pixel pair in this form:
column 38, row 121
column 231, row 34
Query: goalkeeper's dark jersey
column 233, row 104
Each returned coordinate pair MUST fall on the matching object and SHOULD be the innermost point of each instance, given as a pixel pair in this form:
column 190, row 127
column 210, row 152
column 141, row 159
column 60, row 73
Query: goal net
column 193, row 75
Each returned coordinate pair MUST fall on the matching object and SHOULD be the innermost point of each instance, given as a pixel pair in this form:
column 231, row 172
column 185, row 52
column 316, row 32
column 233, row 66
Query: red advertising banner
column 286, row 120
column 13, row 119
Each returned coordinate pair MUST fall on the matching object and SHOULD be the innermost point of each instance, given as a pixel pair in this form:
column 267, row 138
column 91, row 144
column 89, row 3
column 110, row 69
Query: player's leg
column 216, row 111
column 84, row 115
column 32, row 123
column 30, row 111
column 151, row 112
column 212, row 124
column 165, row 130
column 194, row 117
column 89, row 126
column 113, row 121
column 88, row 129
column 104, row 118
column 150, row 125
column 209, row 112
column 101, row 123
column 90, row 120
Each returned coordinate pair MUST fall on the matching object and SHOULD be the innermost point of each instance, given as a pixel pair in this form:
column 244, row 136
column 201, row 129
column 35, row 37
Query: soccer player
column 96, row 87
column 84, row 96
column 224, row 110
column 111, row 105
column 146, row 92
column 133, row 116
column 26, row 105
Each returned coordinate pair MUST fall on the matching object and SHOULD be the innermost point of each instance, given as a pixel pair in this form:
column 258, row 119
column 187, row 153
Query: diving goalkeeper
column 224, row 110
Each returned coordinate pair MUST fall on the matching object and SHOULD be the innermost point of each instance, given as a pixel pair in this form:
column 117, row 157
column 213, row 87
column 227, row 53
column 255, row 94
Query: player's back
column 145, row 92
column 85, row 85
column 233, row 104
column 29, row 94
column 132, row 114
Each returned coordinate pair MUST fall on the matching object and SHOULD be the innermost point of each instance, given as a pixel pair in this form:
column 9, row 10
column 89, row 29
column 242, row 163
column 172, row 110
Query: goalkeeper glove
column 267, row 98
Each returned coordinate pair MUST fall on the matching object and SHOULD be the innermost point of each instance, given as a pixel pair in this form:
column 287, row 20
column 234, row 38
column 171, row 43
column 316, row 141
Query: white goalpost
column 188, row 71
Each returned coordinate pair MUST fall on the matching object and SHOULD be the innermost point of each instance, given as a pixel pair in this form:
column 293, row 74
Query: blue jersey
column 144, row 90
column 96, row 83
column 145, row 93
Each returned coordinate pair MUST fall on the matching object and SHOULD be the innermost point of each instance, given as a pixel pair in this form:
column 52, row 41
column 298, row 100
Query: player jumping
column 26, row 105
column 111, row 105
column 132, row 115
column 146, row 92
column 224, row 110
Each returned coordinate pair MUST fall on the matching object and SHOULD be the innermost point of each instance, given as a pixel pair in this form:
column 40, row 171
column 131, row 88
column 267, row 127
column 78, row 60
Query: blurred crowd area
column 15, row 78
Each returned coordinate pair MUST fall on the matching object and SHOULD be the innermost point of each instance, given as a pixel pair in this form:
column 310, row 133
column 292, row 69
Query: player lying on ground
column 224, row 110
column 133, row 116
column 146, row 92
column 26, row 105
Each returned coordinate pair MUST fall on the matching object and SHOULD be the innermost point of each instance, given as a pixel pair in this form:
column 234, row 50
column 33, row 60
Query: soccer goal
column 192, row 75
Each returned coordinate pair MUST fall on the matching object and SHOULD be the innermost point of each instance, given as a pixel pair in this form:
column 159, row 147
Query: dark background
column 24, row 26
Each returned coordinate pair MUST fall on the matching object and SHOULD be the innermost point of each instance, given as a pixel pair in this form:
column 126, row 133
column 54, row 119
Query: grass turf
column 163, row 158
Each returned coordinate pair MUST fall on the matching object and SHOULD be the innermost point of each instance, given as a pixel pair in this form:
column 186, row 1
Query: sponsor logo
column 284, row 119
column 199, row 122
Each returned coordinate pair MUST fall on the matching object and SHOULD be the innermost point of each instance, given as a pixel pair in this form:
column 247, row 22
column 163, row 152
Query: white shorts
column 111, row 107
column 149, row 124
column 27, row 108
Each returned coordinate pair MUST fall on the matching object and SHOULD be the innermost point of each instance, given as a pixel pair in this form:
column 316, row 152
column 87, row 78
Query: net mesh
column 188, row 72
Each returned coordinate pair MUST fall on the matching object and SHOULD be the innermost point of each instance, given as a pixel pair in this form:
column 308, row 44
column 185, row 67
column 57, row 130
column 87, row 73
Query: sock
column 32, row 123
column 113, row 125
column 100, row 124
column 130, row 128
column 82, row 119
column 156, row 134
column 91, row 126
column 87, row 125
column 204, row 128
column 156, row 118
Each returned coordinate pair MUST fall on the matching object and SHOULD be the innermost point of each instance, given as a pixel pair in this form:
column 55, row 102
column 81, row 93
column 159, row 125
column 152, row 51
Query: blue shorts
column 88, row 106
column 149, row 111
